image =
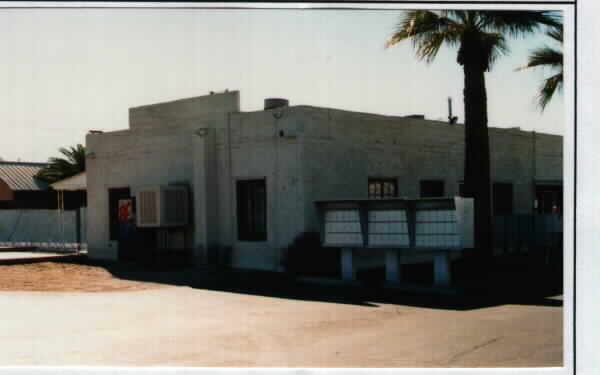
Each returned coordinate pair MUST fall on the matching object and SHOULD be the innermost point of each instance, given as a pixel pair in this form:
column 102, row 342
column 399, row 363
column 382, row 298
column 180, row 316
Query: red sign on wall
column 125, row 210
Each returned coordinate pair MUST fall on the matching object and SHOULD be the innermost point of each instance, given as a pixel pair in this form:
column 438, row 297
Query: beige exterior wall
column 342, row 150
column 258, row 151
column 304, row 153
column 156, row 150
column 131, row 159
column 184, row 113
column 232, row 147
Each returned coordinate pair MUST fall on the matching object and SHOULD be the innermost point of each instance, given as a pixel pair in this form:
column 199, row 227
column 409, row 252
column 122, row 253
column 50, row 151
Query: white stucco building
column 254, row 177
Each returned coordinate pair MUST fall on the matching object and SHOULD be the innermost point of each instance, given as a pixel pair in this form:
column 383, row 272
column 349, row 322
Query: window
column 252, row 210
column 380, row 188
column 502, row 199
column 432, row 188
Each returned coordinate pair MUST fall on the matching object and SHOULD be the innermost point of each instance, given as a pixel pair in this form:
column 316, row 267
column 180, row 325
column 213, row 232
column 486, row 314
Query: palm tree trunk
column 477, row 160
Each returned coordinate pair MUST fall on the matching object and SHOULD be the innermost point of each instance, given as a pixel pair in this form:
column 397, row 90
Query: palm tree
column 548, row 57
column 61, row 168
column 481, row 37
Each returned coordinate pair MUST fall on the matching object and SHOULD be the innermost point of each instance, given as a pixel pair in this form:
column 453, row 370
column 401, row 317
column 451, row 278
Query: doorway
column 133, row 244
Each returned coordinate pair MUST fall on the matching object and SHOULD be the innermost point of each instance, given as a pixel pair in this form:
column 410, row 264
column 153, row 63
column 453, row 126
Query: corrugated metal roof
column 73, row 183
column 20, row 175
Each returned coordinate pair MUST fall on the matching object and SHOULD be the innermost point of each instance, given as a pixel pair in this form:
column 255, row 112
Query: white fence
column 43, row 229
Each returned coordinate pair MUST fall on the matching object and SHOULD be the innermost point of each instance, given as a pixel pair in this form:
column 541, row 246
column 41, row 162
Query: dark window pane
column 388, row 189
column 432, row 189
column 252, row 210
column 382, row 188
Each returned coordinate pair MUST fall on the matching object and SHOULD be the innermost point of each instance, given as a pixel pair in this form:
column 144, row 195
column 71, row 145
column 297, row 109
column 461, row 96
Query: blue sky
column 66, row 71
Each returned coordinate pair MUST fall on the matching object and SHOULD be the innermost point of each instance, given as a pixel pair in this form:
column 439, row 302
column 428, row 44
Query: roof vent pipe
column 271, row 103
column 451, row 119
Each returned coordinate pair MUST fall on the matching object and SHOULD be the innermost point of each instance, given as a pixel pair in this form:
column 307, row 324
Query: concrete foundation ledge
column 17, row 248
column 40, row 259
column 103, row 253
column 424, row 288
column 34, row 249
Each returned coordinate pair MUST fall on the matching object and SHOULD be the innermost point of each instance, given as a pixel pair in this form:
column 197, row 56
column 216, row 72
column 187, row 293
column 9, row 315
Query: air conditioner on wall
column 162, row 206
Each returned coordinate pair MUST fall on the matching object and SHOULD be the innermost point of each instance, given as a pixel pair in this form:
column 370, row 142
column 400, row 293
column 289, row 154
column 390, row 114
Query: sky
column 67, row 71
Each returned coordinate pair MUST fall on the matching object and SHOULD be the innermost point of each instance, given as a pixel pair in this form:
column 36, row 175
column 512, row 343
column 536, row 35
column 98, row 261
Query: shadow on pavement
column 513, row 288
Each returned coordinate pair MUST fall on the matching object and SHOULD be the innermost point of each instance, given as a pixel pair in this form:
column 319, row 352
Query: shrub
column 306, row 257
column 220, row 256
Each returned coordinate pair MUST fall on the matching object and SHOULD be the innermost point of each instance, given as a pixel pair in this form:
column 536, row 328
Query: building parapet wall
column 184, row 112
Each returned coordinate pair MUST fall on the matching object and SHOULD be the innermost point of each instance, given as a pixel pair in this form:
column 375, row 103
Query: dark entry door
column 135, row 244
column 122, row 225
column 549, row 199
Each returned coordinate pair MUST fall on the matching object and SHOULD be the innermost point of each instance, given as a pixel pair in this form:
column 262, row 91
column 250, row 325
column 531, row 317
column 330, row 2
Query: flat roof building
column 253, row 177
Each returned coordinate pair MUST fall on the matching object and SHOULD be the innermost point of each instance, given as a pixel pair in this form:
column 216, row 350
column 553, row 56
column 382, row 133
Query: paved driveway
column 184, row 326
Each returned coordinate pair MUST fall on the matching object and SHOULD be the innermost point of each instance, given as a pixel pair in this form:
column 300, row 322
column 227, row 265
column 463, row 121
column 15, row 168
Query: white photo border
column 581, row 313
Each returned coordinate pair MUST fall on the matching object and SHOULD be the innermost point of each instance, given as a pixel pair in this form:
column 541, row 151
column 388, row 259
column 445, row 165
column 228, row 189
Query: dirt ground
column 68, row 314
column 65, row 277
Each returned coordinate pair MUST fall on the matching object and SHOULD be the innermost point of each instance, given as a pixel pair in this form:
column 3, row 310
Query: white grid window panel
column 436, row 215
column 342, row 227
column 450, row 241
column 342, row 215
column 388, row 228
column 343, row 238
column 389, row 240
column 387, row 215
column 436, row 228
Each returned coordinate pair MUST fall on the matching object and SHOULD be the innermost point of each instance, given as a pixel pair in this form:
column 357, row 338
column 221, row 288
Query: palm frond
column 544, row 57
column 556, row 33
column 518, row 23
column 548, row 57
column 60, row 168
column 428, row 48
column 550, row 86
column 460, row 16
column 427, row 31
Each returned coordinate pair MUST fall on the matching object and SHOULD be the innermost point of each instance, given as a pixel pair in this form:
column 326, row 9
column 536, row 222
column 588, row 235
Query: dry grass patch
column 65, row 277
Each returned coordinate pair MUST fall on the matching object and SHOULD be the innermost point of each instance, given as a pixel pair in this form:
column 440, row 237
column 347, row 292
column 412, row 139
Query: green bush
column 306, row 257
